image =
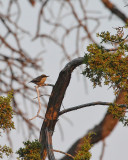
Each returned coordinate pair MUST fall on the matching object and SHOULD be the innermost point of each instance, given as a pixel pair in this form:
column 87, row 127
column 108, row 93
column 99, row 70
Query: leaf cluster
column 31, row 151
column 84, row 152
column 111, row 67
column 6, row 115
column 6, row 112
column 5, row 150
column 108, row 66
column 107, row 37
column 118, row 111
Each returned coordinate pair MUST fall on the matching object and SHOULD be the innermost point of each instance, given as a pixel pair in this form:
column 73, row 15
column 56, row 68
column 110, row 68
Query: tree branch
column 83, row 106
column 55, row 101
column 115, row 10
column 102, row 130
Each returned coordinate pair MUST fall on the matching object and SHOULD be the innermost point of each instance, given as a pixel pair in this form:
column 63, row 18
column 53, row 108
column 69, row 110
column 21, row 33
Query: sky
column 80, row 91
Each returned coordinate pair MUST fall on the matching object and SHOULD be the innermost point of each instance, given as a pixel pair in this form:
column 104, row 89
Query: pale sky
column 80, row 91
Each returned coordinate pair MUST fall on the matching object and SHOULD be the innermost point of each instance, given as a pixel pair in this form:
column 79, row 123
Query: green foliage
column 6, row 112
column 109, row 66
column 84, row 152
column 5, row 150
column 126, row 25
column 118, row 111
column 31, row 151
column 107, row 37
column 106, row 65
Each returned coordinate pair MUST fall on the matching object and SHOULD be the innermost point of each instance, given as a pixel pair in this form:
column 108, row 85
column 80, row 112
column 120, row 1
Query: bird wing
column 36, row 79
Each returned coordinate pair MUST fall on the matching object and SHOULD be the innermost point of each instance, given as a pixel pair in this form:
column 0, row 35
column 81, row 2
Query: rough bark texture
column 55, row 102
column 102, row 130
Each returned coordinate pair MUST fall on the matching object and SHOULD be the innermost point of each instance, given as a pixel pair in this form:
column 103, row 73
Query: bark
column 55, row 102
column 49, row 144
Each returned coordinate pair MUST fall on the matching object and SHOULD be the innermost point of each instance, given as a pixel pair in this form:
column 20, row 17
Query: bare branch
column 38, row 95
column 83, row 106
column 115, row 10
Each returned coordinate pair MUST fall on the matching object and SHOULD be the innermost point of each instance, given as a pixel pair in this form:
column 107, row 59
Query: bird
column 39, row 81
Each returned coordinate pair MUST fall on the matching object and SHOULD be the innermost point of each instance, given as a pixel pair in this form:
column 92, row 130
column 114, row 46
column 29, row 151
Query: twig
column 36, row 116
column 103, row 149
column 69, row 155
column 43, row 95
column 48, row 84
column 38, row 95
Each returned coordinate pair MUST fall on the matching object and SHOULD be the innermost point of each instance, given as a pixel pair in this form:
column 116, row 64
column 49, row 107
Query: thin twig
column 103, row 149
column 43, row 95
column 36, row 117
column 38, row 95
column 69, row 155
column 48, row 84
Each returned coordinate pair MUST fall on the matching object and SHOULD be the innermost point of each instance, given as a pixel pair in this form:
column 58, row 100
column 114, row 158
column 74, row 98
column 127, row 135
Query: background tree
column 18, row 60
column 6, row 122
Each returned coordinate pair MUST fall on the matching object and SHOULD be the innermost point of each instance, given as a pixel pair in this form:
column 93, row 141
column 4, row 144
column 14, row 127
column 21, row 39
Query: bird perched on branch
column 39, row 80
